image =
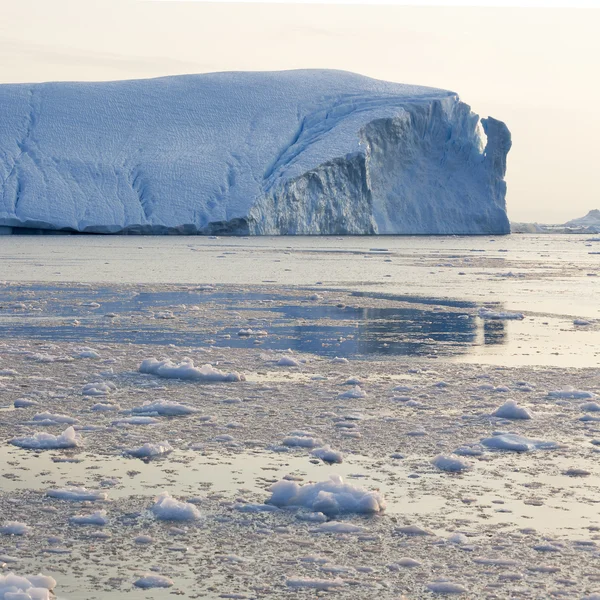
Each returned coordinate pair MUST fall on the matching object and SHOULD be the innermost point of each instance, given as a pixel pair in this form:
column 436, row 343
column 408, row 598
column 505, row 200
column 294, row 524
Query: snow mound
column 46, row 441
column 77, row 494
column 187, row 371
column 511, row 410
column 167, row 508
column 149, row 450
column 164, row 408
column 290, row 152
column 30, row 587
column 516, row 443
column 152, row 580
column 330, row 497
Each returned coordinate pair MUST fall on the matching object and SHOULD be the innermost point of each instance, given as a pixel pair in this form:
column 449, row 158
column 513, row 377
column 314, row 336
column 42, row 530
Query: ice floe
column 168, row 508
column 77, row 494
column 326, row 454
column 517, row 443
column 164, row 408
column 14, row 528
column 330, row 497
column 149, row 450
column 152, row 580
column 30, row 587
column 46, row 441
column 97, row 518
column 450, row 464
column 187, row 371
column 511, row 410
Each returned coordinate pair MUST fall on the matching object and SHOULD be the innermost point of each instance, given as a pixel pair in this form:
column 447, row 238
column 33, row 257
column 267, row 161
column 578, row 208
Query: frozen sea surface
column 387, row 374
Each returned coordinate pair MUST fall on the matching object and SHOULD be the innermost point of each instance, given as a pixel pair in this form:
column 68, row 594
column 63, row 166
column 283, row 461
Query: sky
column 536, row 67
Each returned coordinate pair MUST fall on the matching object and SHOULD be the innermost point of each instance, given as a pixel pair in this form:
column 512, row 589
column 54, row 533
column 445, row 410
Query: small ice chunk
column 446, row 587
column 63, row 419
column 164, row 408
column 326, row 454
column 77, row 494
column 355, row 392
column 511, row 410
column 287, row 361
column 46, row 441
column 590, row 407
column 149, row 450
column 187, row 371
column 300, row 441
column 14, row 528
column 30, row 587
column 517, row 443
column 330, row 497
column 152, row 580
column 315, row 584
column 167, row 508
column 572, row 394
column 97, row 518
column 24, row 403
column 450, row 464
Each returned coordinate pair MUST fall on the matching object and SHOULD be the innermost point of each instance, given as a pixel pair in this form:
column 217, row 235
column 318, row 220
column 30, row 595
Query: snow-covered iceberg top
column 291, row 152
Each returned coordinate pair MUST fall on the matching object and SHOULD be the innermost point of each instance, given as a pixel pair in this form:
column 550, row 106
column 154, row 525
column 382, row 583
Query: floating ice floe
column 517, row 443
column 50, row 419
column 149, row 450
column 30, row 587
column 98, row 388
column 164, row 408
column 511, row 410
column 14, row 528
column 326, row 454
column 85, row 352
column 491, row 315
column 469, row 450
column 405, row 562
column 339, row 360
column 77, row 494
column 187, row 371
column 105, row 407
column 450, row 464
column 302, row 441
column 571, row 394
column 46, row 441
column 287, row 361
column 337, row 527
column 152, row 580
column 136, row 421
column 590, row 407
column 167, row 508
column 446, row 587
column 354, row 393
column 97, row 518
column 330, row 497
column 315, row 584
column 581, row 322
column 24, row 403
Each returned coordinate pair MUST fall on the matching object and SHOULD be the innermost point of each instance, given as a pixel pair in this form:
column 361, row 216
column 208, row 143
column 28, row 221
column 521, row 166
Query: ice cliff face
column 295, row 152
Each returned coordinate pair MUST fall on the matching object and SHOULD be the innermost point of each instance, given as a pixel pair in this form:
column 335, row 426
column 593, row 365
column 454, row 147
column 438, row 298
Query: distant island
column 248, row 153
column 590, row 223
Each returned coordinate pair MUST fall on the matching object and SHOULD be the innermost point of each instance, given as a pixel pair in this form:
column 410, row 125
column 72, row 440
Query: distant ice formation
column 272, row 153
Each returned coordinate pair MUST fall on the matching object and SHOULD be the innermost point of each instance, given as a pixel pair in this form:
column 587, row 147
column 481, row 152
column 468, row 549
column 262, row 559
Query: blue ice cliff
column 292, row 152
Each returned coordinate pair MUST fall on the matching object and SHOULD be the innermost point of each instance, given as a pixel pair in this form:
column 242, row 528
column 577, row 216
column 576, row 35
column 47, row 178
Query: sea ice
column 450, row 464
column 517, row 443
column 77, row 494
column 149, row 450
column 152, row 580
column 491, row 315
column 97, row 518
column 30, row 587
column 315, row 584
column 165, row 408
column 326, row 454
column 46, row 441
column 330, row 497
column 14, row 528
column 187, row 371
column 511, row 410
column 167, row 508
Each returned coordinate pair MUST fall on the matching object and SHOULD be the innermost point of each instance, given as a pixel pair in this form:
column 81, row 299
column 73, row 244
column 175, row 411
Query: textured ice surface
column 295, row 152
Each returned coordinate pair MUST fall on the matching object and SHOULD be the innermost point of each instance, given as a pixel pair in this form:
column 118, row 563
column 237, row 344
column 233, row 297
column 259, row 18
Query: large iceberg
column 260, row 153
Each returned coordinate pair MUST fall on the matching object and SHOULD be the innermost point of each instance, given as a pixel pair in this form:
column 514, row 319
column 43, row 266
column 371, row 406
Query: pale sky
column 537, row 69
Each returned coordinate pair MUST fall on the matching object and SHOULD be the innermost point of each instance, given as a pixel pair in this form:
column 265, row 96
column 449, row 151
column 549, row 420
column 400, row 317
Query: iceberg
column 309, row 152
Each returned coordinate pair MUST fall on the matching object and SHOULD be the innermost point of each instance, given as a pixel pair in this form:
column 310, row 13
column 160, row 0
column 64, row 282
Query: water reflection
column 431, row 327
